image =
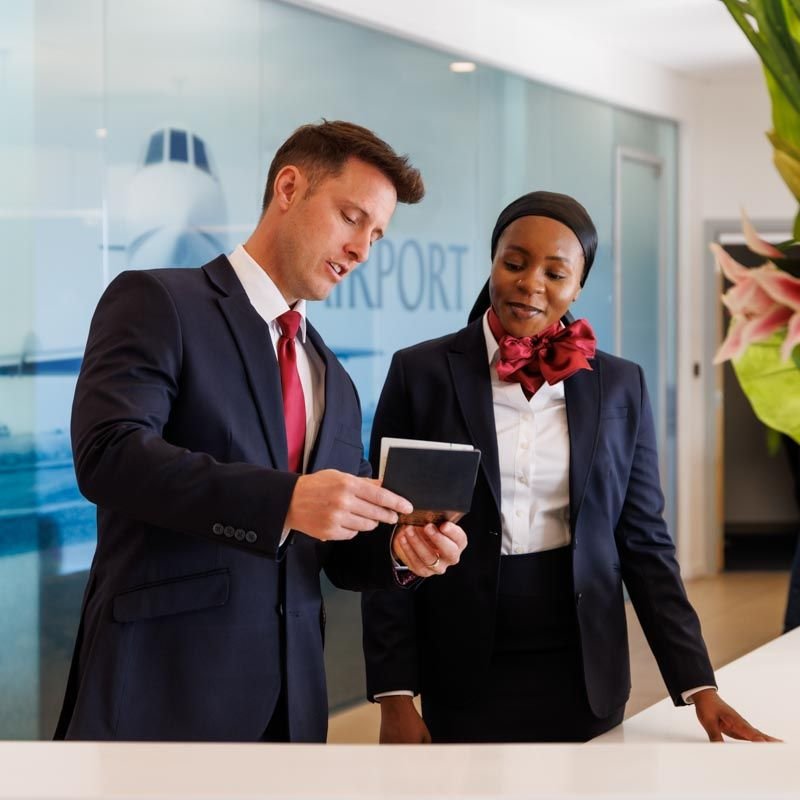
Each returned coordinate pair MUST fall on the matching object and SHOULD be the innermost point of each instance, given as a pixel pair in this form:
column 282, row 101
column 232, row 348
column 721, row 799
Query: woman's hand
column 401, row 722
column 430, row 550
column 717, row 717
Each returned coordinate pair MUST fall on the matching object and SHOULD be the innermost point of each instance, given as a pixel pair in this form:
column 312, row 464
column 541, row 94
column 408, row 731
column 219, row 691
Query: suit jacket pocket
column 173, row 596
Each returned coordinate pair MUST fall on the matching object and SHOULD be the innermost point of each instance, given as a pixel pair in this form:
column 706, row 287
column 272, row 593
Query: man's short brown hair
column 321, row 151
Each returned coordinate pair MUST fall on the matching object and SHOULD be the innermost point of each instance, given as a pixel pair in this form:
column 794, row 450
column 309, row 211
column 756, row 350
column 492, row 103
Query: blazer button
column 229, row 531
column 239, row 535
column 250, row 537
column 218, row 528
column 493, row 533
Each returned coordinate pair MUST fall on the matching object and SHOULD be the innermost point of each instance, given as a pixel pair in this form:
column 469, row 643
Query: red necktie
column 553, row 355
column 294, row 404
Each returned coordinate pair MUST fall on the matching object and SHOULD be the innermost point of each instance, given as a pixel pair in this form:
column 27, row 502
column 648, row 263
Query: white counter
column 659, row 753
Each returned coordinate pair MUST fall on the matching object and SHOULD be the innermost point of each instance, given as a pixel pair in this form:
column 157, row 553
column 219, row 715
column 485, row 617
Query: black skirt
column 535, row 689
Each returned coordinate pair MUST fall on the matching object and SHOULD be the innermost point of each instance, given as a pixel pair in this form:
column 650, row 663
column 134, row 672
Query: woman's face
column 536, row 274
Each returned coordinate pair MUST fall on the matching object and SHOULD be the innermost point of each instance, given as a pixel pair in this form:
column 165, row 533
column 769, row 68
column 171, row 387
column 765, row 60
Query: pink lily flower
column 762, row 301
column 784, row 289
column 755, row 243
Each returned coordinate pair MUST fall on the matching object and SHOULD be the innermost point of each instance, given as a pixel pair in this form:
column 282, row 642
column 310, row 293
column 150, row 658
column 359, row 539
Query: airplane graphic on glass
column 176, row 217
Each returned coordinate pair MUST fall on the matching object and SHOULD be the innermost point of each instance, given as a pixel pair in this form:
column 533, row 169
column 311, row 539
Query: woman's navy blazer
column 438, row 639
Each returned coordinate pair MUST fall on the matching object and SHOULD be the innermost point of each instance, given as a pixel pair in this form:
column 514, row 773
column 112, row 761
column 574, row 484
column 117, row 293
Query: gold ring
column 435, row 563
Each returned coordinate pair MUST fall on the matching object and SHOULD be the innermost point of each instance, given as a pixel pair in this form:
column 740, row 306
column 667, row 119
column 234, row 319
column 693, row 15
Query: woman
column 526, row 639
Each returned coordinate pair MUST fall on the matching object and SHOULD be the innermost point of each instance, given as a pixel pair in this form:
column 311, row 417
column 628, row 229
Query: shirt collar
column 492, row 348
column 261, row 290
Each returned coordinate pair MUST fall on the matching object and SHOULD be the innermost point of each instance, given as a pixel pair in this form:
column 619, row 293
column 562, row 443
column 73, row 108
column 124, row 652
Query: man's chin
column 320, row 292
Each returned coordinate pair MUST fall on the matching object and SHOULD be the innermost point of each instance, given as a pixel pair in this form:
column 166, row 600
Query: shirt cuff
column 403, row 576
column 398, row 565
column 401, row 692
column 687, row 695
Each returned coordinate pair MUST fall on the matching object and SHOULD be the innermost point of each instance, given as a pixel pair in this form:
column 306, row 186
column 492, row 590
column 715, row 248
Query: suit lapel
column 252, row 338
column 469, row 368
column 326, row 432
column 583, row 396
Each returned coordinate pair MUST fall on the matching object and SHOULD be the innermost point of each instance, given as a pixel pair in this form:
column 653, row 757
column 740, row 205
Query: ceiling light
column 462, row 66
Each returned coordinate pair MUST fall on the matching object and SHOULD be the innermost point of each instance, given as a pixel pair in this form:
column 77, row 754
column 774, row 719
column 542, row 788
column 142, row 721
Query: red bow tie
column 553, row 355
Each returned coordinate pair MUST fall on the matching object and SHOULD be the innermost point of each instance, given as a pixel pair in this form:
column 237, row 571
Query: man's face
column 326, row 234
column 536, row 274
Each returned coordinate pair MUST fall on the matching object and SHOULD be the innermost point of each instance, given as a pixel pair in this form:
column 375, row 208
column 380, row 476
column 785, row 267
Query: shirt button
column 518, row 512
column 517, row 549
column 522, row 479
column 524, row 444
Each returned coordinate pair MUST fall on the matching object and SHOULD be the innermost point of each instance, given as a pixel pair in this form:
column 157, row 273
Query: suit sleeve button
column 218, row 528
column 239, row 535
column 229, row 531
column 250, row 537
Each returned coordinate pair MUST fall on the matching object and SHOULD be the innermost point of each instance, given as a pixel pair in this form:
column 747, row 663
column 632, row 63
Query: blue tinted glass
column 155, row 150
column 504, row 135
column 200, row 158
column 178, row 146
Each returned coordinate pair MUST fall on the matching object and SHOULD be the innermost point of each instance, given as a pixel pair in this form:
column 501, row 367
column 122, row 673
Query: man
column 220, row 439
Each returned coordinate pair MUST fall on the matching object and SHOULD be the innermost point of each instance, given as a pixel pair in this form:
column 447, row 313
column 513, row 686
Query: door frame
column 729, row 231
column 635, row 156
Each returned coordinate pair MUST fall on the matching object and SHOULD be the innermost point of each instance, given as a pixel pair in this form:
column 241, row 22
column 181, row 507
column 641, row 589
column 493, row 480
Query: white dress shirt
column 533, row 449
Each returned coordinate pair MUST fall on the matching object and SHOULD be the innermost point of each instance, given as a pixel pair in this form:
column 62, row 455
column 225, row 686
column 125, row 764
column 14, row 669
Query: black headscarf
column 560, row 207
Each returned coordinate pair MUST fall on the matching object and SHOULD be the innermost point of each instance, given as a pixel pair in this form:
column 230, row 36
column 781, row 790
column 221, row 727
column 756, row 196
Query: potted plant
column 763, row 339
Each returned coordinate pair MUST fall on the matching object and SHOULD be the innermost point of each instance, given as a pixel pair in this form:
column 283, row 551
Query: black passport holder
column 438, row 483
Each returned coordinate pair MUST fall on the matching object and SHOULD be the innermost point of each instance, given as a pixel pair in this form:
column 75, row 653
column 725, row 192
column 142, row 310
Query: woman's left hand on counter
column 718, row 718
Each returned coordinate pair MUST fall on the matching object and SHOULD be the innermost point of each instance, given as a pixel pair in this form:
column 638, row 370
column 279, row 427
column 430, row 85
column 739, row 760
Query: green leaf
column 791, row 9
column 789, row 170
column 780, row 143
column 785, row 118
column 775, row 48
column 772, row 386
column 795, row 6
column 778, row 33
column 773, row 441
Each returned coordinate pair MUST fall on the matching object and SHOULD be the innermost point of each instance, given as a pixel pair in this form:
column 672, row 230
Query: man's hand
column 430, row 550
column 717, row 717
column 401, row 722
column 332, row 505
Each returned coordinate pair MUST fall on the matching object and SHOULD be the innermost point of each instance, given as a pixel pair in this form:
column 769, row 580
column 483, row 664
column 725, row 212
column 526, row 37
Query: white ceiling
column 698, row 37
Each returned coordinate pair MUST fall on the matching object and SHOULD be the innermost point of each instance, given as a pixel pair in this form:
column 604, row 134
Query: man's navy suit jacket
column 438, row 639
column 178, row 437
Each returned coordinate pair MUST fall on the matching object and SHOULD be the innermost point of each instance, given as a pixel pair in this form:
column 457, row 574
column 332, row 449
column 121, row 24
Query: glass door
column 641, row 297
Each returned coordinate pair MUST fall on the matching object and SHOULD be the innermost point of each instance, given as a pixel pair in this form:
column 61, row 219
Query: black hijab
column 560, row 207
